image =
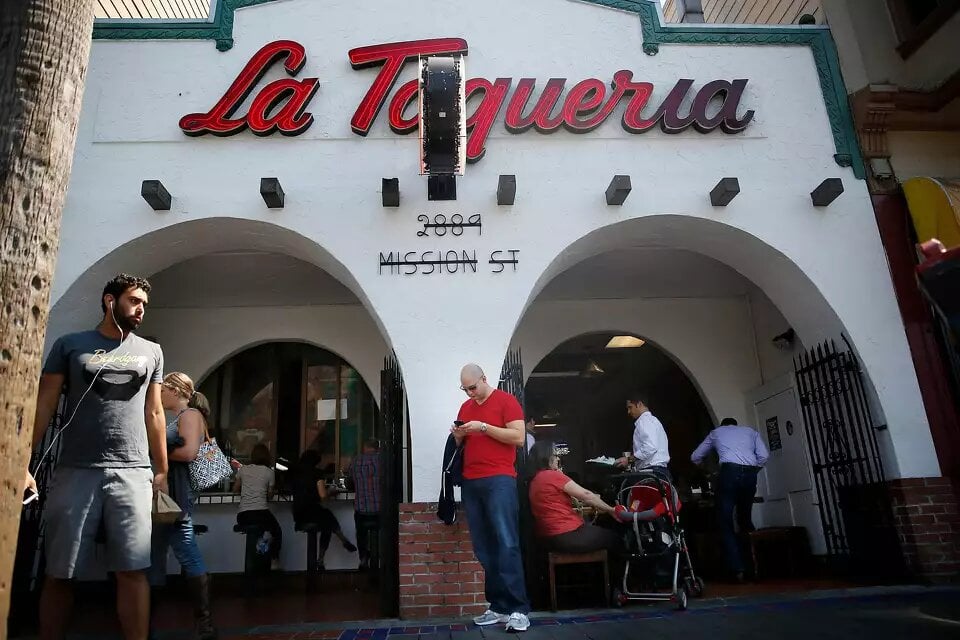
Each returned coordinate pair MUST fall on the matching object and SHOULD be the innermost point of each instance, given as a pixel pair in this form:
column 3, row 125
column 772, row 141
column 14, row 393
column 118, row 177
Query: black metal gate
column 848, row 473
column 28, row 566
column 392, row 427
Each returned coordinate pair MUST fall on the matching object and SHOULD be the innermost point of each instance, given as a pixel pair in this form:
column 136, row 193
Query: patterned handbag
column 210, row 465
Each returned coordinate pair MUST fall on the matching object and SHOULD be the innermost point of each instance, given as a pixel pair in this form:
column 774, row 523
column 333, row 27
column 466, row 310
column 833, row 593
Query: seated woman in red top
column 557, row 524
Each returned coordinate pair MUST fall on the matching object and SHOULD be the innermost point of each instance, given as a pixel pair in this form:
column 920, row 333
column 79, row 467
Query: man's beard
column 129, row 323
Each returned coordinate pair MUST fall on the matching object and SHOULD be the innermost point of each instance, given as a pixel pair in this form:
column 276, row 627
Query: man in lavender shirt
column 742, row 453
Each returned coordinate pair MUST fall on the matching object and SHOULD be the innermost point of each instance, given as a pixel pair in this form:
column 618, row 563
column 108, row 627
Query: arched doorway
column 577, row 395
column 291, row 397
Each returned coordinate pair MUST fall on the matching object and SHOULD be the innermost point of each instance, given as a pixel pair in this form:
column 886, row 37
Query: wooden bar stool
column 555, row 558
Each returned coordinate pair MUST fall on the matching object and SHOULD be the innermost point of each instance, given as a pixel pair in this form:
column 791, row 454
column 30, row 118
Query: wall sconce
column 506, row 189
column 272, row 193
column 390, row 188
column 156, row 195
column 826, row 192
column 618, row 190
column 725, row 191
column 785, row 340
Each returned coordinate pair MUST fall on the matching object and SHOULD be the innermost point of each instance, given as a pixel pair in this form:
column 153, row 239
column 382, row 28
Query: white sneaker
column 489, row 617
column 518, row 622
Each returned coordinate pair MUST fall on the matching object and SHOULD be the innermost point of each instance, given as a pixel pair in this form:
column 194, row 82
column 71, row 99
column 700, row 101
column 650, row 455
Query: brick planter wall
column 928, row 523
column 439, row 575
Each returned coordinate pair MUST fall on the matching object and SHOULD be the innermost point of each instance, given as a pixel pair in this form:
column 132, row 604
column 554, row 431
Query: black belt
column 739, row 466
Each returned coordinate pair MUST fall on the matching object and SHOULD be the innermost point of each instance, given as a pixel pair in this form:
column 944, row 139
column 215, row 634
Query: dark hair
column 539, row 456
column 638, row 397
column 120, row 284
column 199, row 402
column 726, row 422
column 371, row 443
column 260, row 455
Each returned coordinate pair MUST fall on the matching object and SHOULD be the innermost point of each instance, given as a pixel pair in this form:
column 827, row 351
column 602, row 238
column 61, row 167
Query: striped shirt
column 365, row 472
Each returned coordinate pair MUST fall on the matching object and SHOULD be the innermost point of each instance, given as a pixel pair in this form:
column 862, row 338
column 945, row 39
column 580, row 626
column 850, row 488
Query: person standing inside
column 650, row 446
column 490, row 427
column 531, row 426
column 742, row 454
column 255, row 482
column 113, row 426
column 363, row 473
column 185, row 433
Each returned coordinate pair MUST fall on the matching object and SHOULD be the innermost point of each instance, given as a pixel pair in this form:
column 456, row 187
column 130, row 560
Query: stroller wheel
column 694, row 586
column 619, row 598
column 682, row 597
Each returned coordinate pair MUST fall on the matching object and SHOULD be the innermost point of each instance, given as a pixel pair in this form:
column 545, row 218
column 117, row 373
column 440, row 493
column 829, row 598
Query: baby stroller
column 649, row 510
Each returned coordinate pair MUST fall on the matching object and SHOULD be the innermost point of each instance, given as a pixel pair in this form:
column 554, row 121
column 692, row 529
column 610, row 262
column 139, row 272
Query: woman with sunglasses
column 185, row 432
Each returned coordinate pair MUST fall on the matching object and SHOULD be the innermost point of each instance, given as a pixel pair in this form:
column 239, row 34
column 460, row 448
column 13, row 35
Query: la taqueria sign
column 281, row 105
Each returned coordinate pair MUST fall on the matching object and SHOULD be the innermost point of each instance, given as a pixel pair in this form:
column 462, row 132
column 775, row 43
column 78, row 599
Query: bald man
column 490, row 427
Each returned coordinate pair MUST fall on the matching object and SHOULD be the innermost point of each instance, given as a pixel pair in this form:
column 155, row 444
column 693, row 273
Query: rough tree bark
column 44, row 49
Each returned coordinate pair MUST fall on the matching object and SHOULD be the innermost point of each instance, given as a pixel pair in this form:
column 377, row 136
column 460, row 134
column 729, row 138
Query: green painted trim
column 818, row 38
column 218, row 28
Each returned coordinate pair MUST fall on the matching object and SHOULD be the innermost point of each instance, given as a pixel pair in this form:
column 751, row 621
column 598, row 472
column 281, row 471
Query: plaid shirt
column 365, row 472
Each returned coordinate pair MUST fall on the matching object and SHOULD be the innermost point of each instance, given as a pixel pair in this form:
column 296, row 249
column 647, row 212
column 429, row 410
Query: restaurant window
column 916, row 20
column 291, row 397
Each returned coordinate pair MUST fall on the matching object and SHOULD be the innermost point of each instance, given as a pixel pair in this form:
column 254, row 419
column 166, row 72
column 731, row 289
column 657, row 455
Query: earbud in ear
column 110, row 303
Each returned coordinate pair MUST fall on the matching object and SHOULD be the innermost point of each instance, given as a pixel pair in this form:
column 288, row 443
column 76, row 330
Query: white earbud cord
column 84, row 395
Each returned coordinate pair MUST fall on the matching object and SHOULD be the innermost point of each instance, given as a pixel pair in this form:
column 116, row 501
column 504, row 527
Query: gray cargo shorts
column 80, row 500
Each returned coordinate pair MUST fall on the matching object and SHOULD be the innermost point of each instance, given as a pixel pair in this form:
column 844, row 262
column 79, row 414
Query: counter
column 223, row 549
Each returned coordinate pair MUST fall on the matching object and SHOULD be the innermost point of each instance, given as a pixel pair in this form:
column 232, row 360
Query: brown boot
column 200, row 594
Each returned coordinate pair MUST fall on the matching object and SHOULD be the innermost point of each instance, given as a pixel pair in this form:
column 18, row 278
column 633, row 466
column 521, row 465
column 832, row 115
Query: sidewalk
column 919, row 613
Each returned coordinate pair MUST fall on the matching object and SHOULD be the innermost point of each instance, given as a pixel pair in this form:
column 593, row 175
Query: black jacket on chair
column 452, row 474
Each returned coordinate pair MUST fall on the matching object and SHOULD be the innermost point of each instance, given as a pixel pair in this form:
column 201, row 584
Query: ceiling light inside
column 623, row 342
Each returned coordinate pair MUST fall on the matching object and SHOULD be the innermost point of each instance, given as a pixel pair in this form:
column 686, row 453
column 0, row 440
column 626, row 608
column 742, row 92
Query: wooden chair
column 555, row 558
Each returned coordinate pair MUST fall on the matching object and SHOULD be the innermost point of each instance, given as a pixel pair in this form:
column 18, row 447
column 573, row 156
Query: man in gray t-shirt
column 112, row 425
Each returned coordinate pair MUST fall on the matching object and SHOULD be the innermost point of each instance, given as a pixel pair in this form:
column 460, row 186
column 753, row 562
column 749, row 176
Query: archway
column 235, row 294
column 577, row 393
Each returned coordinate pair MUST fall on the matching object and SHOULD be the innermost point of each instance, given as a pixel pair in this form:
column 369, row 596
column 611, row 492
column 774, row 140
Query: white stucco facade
column 822, row 269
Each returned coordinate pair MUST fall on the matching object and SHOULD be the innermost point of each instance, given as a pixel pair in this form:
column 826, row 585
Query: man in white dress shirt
column 650, row 447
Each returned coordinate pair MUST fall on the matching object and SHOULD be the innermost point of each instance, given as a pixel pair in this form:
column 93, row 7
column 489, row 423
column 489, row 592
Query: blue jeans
column 737, row 485
column 493, row 514
column 178, row 536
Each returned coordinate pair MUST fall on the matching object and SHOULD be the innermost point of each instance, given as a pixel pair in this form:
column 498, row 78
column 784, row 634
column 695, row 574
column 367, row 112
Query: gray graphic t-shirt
column 109, row 428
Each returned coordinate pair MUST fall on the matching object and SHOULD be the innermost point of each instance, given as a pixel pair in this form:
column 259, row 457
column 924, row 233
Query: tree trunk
column 44, row 49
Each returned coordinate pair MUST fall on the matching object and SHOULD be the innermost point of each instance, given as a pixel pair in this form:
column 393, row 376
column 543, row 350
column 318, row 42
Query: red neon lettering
column 393, row 56
column 480, row 123
column 405, row 96
column 219, row 120
column 539, row 116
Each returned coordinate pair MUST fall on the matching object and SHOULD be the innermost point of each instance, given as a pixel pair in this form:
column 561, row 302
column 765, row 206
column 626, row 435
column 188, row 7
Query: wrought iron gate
column 511, row 375
column 392, row 426
column 848, row 472
column 28, row 564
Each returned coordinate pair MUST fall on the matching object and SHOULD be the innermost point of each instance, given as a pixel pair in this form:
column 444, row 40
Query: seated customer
column 309, row 492
column 254, row 483
column 556, row 522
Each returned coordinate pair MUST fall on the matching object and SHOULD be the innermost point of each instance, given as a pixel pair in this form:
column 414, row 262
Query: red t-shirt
column 552, row 507
column 482, row 455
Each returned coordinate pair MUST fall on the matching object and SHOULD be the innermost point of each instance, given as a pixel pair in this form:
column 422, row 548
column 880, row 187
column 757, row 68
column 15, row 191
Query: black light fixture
column 506, row 189
column 618, row 190
column 442, row 187
column 592, row 370
column 826, row 192
column 443, row 126
column 725, row 191
column 156, row 195
column 271, row 192
column 391, row 192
